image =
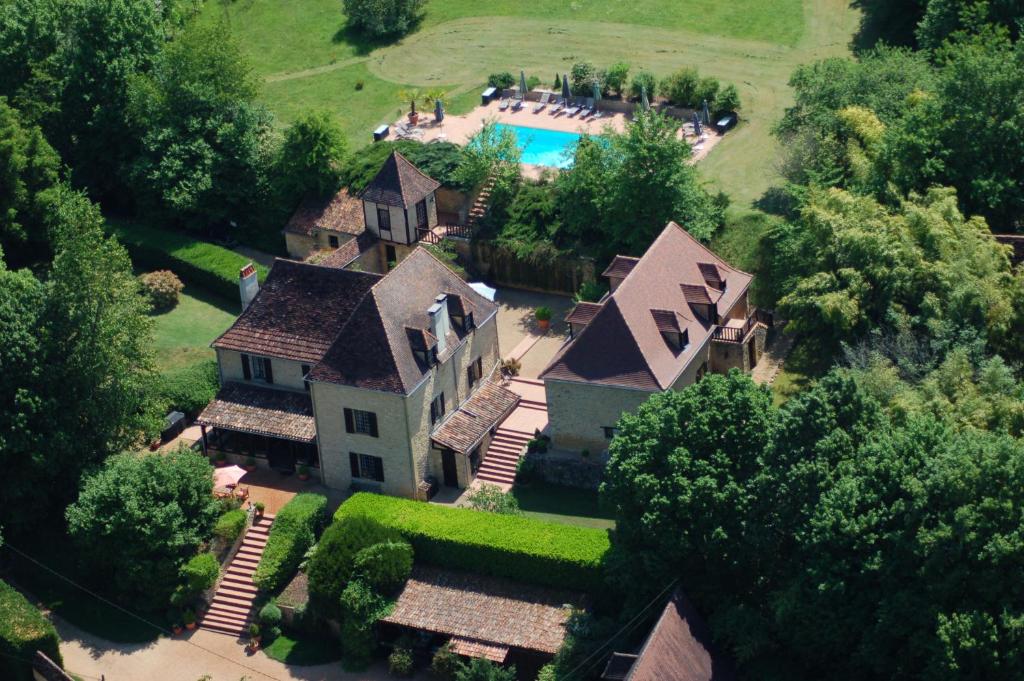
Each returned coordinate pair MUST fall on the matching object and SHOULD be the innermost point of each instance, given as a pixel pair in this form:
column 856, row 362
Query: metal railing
column 733, row 334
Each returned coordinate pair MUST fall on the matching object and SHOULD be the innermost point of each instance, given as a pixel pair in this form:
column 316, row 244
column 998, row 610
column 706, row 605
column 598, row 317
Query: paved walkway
column 188, row 658
column 770, row 364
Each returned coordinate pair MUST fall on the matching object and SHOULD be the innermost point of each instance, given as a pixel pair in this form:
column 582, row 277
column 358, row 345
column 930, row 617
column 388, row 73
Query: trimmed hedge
column 201, row 263
column 295, row 529
column 229, row 526
column 23, row 631
column 190, row 388
column 514, row 547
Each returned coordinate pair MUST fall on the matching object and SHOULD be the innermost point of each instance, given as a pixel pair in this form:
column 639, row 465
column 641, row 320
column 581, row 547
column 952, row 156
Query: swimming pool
column 543, row 147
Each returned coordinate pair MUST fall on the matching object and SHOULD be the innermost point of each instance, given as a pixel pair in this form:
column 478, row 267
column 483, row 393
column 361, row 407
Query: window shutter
column 268, row 370
column 353, row 460
column 373, row 425
column 246, row 371
column 433, row 412
column 350, row 423
column 469, row 374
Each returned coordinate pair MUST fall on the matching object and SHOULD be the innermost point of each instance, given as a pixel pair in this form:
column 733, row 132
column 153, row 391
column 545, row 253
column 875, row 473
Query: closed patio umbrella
column 696, row 124
column 597, row 94
column 438, row 110
column 566, row 94
column 522, row 84
column 644, row 104
column 707, row 114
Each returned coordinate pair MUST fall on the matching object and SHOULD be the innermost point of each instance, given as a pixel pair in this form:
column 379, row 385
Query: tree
column 728, row 99
column 584, row 76
column 385, row 566
column 77, row 381
column 28, row 174
column 380, row 18
column 139, row 518
column 680, row 87
column 951, row 18
column 312, row 156
column 206, row 146
column 533, row 222
column 644, row 81
column 616, row 76
column 479, row 669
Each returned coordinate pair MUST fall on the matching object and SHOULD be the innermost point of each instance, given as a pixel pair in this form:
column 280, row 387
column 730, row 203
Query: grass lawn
column 183, row 335
column 805, row 363
column 304, row 651
column 562, row 505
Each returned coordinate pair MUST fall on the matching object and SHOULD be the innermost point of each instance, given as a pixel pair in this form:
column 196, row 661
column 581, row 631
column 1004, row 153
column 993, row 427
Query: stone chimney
column 248, row 284
column 439, row 322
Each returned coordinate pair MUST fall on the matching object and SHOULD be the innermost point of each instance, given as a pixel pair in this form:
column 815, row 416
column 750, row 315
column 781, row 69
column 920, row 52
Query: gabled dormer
column 672, row 329
column 399, row 204
column 703, row 301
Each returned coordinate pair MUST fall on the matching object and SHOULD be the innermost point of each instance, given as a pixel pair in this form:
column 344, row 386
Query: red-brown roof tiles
column 262, row 411
column 620, row 267
column 339, row 213
column 464, row 429
column 583, row 313
column 399, row 183
column 622, row 345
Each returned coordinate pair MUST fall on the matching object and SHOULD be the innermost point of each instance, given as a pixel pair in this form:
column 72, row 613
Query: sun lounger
column 517, row 104
column 573, row 110
column 503, row 104
column 588, row 108
column 542, row 103
column 557, row 108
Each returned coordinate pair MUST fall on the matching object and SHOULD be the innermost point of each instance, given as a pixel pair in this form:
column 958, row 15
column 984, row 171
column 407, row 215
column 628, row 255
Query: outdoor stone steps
column 502, row 478
column 230, row 610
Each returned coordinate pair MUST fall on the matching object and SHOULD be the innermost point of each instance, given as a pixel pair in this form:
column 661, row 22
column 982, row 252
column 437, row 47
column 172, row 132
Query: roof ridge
column 719, row 260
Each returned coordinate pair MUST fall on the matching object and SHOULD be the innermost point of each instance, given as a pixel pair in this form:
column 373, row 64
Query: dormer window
column 672, row 331
column 712, row 275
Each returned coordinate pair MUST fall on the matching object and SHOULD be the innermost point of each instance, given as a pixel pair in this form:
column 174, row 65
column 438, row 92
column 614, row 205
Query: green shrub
column 230, row 525
column 23, row 631
column 707, row 89
column 190, row 388
column 490, row 498
column 502, row 80
column 163, row 289
column 543, row 313
column 445, row 664
column 615, row 78
column 484, row 670
column 680, row 87
column 532, row 83
column 400, row 662
column 384, row 566
column 200, row 572
column 270, row 615
column 361, row 607
column 590, row 292
column 197, row 262
column 514, row 547
column 294, row 530
column 728, row 99
column 333, row 562
column 640, row 82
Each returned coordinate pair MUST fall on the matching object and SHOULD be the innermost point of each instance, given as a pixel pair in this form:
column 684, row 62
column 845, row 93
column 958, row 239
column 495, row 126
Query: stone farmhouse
column 669, row 318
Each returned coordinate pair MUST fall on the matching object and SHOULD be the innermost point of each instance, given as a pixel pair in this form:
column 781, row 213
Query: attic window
column 677, row 340
column 674, row 334
column 712, row 275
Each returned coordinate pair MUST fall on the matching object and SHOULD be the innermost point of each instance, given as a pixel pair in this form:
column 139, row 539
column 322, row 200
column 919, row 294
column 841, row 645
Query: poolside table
column 380, row 133
column 488, row 95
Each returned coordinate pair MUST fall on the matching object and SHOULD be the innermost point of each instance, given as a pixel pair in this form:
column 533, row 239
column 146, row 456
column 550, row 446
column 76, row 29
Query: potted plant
column 250, row 464
column 259, row 507
column 254, row 636
column 543, row 315
column 302, row 471
column 177, row 629
column 190, row 619
column 220, row 459
column 411, row 96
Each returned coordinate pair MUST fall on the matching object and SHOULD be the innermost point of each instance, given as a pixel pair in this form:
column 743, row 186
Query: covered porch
column 275, row 427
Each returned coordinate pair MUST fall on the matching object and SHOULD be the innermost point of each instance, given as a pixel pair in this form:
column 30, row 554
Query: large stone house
column 669, row 317
column 381, row 382
column 373, row 231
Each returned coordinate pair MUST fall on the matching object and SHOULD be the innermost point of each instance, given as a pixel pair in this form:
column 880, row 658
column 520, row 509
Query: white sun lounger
column 544, row 98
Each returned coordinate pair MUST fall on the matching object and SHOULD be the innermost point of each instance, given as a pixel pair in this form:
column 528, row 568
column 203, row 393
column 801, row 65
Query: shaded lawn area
column 566, row 505
column 81, row 609
column 807, row 361
column 182, row 336
column 303, row 652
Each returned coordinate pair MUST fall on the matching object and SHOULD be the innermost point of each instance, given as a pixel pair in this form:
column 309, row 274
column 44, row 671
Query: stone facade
column 578, row 412
column 287, row 374
column 301, row 246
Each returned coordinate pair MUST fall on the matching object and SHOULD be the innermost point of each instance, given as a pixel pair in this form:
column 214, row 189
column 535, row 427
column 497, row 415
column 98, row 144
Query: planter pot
column 251, row 468
column 303, row 476
column 414, row 118
column 544, row 324
column 176, row 629
column 190, row 626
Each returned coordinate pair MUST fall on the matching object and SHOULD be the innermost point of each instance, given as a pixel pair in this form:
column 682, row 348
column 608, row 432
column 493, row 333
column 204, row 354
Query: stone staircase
column 499, row 466
column 479, row 207
column 231, row 609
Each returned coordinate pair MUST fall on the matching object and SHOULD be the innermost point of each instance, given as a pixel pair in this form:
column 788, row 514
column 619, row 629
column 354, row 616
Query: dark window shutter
column 353, row 460
column 246, row 371
column 470, row 376
column 433, row 411
column 268, row 370
column 373, row 425
column 350, row 422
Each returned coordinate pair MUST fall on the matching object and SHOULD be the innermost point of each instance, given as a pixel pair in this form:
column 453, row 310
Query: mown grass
column 303, row 652
column 559, row 504
column 182, row 335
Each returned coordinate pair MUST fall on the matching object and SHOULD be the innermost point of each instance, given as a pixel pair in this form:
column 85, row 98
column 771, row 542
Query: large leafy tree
column 380, row 18
column 78, row 367
column 312, row 156
column 207, row 147
column 139, row 517
column 28, row 174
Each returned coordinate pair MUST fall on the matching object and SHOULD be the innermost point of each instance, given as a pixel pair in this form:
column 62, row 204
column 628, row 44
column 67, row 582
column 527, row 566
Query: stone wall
column 568, row 469
column 578, row 412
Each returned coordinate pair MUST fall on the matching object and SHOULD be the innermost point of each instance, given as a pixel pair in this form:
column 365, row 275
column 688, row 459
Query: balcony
column 733, row 332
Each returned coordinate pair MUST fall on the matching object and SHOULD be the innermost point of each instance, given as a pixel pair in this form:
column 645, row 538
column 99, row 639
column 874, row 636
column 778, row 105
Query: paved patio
column 275, row 489
column 518, row 334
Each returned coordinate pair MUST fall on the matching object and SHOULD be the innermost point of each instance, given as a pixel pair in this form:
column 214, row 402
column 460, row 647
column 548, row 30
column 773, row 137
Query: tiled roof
column 350, row 250
column 339, row 213
column 484, row 609
column 298, row 312
column 700, row 294
column 622, row 345
column 583, row 313
column 621, row 265
column 399, row 183
column 468, row 647
column 667, row 321
column 373, row 349
column 679, row 649
column 262, row 411
column 467, row 426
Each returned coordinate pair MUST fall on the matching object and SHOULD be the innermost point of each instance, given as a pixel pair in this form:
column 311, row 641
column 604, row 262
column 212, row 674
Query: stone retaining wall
column 569, row 469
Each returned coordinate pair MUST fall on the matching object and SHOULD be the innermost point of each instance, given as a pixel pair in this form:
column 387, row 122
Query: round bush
column 163, row 288
column 200, row 572
column 270, row 615
column 400, row 662
column 445, row 664
column 230, row 525
column 384, row 566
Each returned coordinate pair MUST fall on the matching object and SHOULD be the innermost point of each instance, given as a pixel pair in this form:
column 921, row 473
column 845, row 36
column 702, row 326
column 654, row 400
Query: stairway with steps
column 231, row 609
column 479, row 207
column 499, row 466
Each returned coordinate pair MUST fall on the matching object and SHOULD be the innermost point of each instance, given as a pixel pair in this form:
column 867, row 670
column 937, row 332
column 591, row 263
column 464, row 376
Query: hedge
column 514, row 547
column 201, row 263
column 294, row 530
column 190, row 388
column 23, row 631
column 229, row 526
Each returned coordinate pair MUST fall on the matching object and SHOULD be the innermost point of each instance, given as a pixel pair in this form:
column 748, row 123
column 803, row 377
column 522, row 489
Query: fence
column 45, row 669
column 504, row 268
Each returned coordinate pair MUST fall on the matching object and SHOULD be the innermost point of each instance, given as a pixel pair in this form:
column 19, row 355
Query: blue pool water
column 543, row 147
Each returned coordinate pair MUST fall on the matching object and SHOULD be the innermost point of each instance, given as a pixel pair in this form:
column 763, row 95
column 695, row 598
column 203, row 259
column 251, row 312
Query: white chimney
column 439, row 323
column 248, row 284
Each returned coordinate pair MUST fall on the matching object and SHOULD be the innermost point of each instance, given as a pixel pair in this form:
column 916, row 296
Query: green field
column 183, row 335
column 309, row 60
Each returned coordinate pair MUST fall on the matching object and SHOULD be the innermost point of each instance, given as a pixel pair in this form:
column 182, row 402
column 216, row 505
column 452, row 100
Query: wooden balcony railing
column 435, row 235
column 737, row 334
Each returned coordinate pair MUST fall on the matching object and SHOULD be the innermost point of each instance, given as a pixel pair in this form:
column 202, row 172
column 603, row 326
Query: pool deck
column 459, row 129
